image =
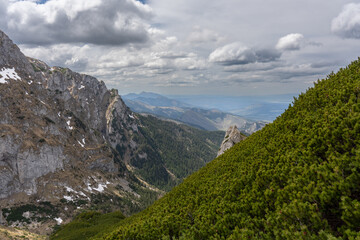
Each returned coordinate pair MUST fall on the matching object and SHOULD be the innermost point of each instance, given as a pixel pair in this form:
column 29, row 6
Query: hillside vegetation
column 297, row 178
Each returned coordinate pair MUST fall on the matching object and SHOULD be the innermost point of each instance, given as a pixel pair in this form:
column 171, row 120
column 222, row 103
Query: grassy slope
column 13, row 234
column 297, row 178
column 87, row 225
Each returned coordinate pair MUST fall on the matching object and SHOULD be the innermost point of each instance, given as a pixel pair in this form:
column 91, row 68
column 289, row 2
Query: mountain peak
column 11, row 56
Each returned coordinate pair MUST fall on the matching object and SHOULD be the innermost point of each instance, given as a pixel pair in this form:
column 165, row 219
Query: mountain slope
column 297, row 178
column 67, row 143
column 200, row 118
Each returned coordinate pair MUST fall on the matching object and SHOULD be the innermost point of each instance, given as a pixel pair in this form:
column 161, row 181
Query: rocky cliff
column 67, row 143
column 59, row 131
column 232, row 136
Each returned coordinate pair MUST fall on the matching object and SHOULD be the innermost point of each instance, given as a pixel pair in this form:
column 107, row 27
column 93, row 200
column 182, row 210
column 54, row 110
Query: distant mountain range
column 207, row 119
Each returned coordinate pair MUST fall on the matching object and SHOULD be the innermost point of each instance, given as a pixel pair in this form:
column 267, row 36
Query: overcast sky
column 228, row 47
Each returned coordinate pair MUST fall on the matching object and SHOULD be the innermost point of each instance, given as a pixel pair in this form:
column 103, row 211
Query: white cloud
column 238, row 54
column 292, row 41
column 201, row 35
column 347, row 23
column 232, row 54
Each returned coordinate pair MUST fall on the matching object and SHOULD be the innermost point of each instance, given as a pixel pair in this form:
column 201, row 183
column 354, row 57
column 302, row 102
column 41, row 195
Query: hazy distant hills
column 208, row 119
column 265, row 108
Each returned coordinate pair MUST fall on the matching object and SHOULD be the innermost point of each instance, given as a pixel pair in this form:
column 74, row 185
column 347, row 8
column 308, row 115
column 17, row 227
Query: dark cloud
column 110, row 22
column 267, row 55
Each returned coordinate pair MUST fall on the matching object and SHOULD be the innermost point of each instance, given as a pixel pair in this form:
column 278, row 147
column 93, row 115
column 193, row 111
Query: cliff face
column 64, row 137
column 68, row 143
column 232, row 136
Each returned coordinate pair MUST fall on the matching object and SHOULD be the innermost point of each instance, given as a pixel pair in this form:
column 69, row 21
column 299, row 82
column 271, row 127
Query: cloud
column 110, row 22
column 290, row 42
column 347, row 23
column 238, row 54
column 201, row 35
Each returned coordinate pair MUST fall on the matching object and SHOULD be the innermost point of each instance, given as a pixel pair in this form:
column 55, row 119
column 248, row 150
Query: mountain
column 67, row 143
column 154, row 99
column 263, row 107
column 198, row 117
column 297, row 178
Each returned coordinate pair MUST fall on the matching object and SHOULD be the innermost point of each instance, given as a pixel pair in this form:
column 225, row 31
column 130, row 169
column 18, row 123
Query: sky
column 187, row 47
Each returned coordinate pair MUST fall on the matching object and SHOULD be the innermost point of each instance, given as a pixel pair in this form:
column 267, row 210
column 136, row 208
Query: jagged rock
column 2, row 220
column 61, row 130
column 232, row 136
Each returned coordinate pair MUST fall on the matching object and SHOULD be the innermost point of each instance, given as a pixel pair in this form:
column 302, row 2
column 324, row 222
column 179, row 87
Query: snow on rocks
column 58, row 220
column 69, row 198
column 82, row 145
column 8, row 73
column 68, row 123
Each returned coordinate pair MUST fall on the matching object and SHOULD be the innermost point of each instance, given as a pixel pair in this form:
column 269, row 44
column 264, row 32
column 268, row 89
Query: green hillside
column 297, row 178
column 175, row 151
column 183, row 149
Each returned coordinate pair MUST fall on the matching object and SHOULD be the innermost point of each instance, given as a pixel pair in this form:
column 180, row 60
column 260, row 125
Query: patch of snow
column 68, row 123
column 107, row 182
column 59, row 114
column 69, row 189
column 82, row 145
column 81, row 87
column 88, row 187
column 131, row 116
column 58, row 220
column 42, row 102
column 82, row 194
column 30, row 82
column 100, row 187
column 8, row 73
column 68, row 198
column 26, row 93
column 83, row 141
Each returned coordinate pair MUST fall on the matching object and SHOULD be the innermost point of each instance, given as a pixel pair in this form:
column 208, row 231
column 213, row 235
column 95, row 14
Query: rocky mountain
column 68, row 143
column 232, row 136
column 297, row 178
column 207, row 119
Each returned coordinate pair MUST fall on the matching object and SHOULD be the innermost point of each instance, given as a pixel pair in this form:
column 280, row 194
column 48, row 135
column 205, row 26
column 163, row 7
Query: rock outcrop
column 64, row 138
column 232, row 136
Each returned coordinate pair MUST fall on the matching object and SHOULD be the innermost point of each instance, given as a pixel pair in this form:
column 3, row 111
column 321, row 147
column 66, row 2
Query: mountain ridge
column 207, row 119
column 297, row 178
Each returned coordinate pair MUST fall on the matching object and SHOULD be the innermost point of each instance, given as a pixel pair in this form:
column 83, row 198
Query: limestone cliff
column 69, row 144
column 65, row 139
column 232, row 136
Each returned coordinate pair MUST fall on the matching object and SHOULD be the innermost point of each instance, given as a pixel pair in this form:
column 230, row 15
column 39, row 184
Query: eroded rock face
column 61, row 130
column 232, row 136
